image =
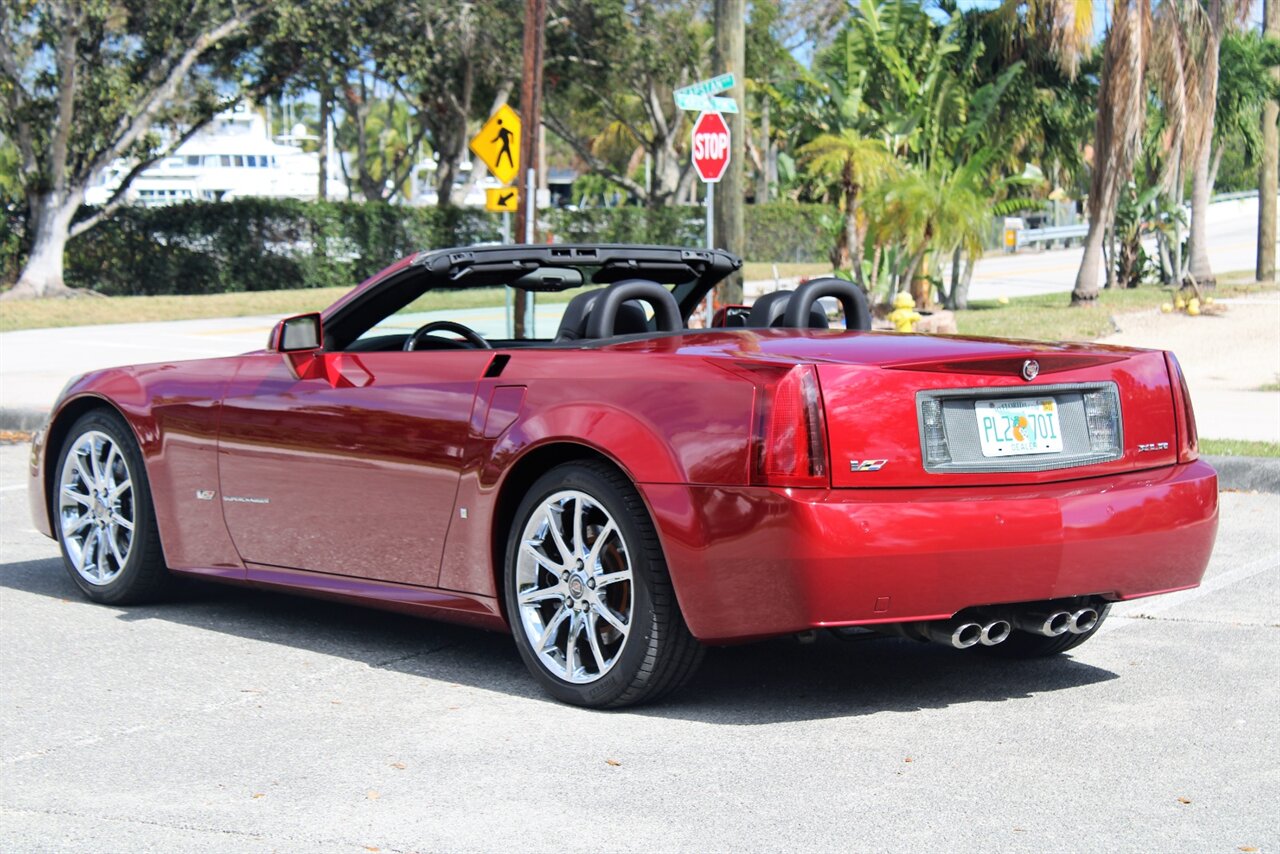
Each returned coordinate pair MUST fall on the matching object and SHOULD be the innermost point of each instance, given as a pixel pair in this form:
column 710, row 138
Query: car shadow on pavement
column 760, row 683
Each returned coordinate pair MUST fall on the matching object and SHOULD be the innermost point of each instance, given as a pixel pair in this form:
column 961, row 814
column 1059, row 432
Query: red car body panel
column 382, row 477
column 759, row 562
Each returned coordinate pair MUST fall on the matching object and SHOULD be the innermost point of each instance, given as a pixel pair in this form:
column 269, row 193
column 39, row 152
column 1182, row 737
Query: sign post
column 498, row 145
column 710, row 150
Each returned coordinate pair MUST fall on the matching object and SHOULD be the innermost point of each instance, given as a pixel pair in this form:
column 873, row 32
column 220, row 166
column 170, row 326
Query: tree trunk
column 957, row 256
column 876, row 254
column 1109, row 257
column 1268, row 184
column 854, row 240
column 1198, row 241
column 1086, row 289
column 919, row 293
column 960, row 295
column 42, row 274
column 763, row 182
column 840, row 256
column 1166, row 263
column 1117, row 131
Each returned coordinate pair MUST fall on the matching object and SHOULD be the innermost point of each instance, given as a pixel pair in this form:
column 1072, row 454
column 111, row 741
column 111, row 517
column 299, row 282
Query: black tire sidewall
column 624, row 672
column 141, row 560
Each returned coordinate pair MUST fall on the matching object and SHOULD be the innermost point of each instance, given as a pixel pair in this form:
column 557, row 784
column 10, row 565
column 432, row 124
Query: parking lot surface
column 235, row 720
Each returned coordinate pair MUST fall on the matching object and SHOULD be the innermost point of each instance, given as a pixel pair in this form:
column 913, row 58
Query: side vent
column 496, row 364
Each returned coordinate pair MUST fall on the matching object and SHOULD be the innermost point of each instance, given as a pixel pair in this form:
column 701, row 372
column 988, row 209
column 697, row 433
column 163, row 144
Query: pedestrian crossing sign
column 498, row 144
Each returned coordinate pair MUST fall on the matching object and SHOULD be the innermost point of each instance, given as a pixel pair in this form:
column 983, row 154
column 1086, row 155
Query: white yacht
column 233, row 157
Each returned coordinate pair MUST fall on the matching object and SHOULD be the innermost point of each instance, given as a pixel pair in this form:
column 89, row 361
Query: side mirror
column 296, row 334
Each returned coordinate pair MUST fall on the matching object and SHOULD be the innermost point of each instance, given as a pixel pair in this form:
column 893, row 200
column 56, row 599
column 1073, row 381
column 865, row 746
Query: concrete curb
column 22, row 419
column 1245, row 474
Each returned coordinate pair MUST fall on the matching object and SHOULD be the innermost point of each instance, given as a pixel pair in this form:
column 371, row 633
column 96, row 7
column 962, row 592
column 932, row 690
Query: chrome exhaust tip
column 994, row 632
column 1051, row 624
column 1083, row 620
column 965, row 635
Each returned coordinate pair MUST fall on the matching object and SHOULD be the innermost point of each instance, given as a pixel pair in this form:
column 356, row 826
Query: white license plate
column 1020, row 426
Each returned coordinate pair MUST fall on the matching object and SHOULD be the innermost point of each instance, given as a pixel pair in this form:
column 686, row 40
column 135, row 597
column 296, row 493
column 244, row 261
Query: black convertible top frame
column 693, row 272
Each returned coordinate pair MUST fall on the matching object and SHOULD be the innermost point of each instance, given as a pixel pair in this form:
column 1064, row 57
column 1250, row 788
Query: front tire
column 588, row 594
column 103, row 515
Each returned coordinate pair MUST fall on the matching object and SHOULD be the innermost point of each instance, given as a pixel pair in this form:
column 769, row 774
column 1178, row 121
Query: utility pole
column 1267, row 173
column 730, row 56
column 535, row 24
column 322, row 183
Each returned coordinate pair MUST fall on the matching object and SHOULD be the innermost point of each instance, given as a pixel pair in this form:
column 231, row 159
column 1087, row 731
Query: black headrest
column 573, row 325
column 771, row 309
column 603, row 317
column 857, row 314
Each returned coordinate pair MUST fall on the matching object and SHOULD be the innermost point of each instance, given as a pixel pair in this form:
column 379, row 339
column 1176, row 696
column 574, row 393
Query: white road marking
column 1211, row 585
column 13, row 488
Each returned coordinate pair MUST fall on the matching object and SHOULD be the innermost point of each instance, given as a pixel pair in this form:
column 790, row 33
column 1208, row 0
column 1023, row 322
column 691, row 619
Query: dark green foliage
column 786, row 232
column 259, row 244
column 682, row 225
column 264, row 244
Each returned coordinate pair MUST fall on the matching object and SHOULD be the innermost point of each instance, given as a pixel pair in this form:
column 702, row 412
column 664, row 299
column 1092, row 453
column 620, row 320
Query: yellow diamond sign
column 498, row 144
column 501, row 199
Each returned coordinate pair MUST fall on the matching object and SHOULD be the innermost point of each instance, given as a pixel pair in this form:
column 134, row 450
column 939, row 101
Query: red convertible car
column 632, row 489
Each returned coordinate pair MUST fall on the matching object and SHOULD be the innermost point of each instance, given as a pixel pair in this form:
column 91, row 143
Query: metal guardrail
column 1053, row 234
column 1231, row 197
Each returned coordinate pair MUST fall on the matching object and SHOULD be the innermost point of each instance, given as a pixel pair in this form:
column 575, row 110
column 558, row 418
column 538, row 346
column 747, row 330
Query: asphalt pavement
column 241, row 721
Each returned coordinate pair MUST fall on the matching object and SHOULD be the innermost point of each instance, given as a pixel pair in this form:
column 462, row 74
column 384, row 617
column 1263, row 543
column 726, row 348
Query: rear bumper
column 755, row 562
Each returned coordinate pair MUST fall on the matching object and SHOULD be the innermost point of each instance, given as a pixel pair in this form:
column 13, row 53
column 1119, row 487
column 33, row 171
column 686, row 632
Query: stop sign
column 710, row 146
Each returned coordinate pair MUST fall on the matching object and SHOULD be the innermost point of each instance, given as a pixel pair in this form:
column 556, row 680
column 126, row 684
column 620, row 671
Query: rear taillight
column 791, row 439
column 1183, row 413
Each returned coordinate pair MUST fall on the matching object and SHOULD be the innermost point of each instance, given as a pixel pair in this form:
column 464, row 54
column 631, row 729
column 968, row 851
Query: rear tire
column 588, row 594
column 1022, row 644
column 103, row 516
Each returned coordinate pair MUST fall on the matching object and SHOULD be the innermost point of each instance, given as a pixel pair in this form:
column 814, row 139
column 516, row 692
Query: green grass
column 762, row 270
column 1239, row 448
column 1050, row 317
column 94, row 310
column 1045, row 317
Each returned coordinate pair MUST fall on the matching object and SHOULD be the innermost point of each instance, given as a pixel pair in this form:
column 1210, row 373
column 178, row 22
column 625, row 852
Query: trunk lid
column 875, row 388
column 998, row 413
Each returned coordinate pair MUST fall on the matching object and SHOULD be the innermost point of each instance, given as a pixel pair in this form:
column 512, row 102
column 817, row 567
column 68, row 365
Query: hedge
column 258, row 244
column 269, row 244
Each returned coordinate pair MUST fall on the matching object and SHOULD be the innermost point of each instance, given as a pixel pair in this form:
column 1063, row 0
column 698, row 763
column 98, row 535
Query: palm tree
column 936, row 208
column 1212, row 18
column 1270, row 170
column 1065, row 27
column 846, row 164
column 1121, row 110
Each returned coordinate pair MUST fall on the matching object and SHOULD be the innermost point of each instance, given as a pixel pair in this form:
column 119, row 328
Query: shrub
column 271, row 244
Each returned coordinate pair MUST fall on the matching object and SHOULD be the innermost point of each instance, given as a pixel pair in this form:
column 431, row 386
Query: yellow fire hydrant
column 904, row 315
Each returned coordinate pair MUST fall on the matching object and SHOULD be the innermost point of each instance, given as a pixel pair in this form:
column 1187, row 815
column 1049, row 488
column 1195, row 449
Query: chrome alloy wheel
column 96, row 507
column 574, row 587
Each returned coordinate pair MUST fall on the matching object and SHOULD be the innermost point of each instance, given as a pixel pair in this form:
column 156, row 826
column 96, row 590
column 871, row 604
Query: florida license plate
column 1019, row 426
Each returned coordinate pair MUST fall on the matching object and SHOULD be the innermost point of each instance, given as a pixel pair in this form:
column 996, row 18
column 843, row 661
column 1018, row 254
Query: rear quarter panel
column 661, row 418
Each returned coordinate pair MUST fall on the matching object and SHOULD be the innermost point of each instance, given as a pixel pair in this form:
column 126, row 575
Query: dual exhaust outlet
column 992, row 630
